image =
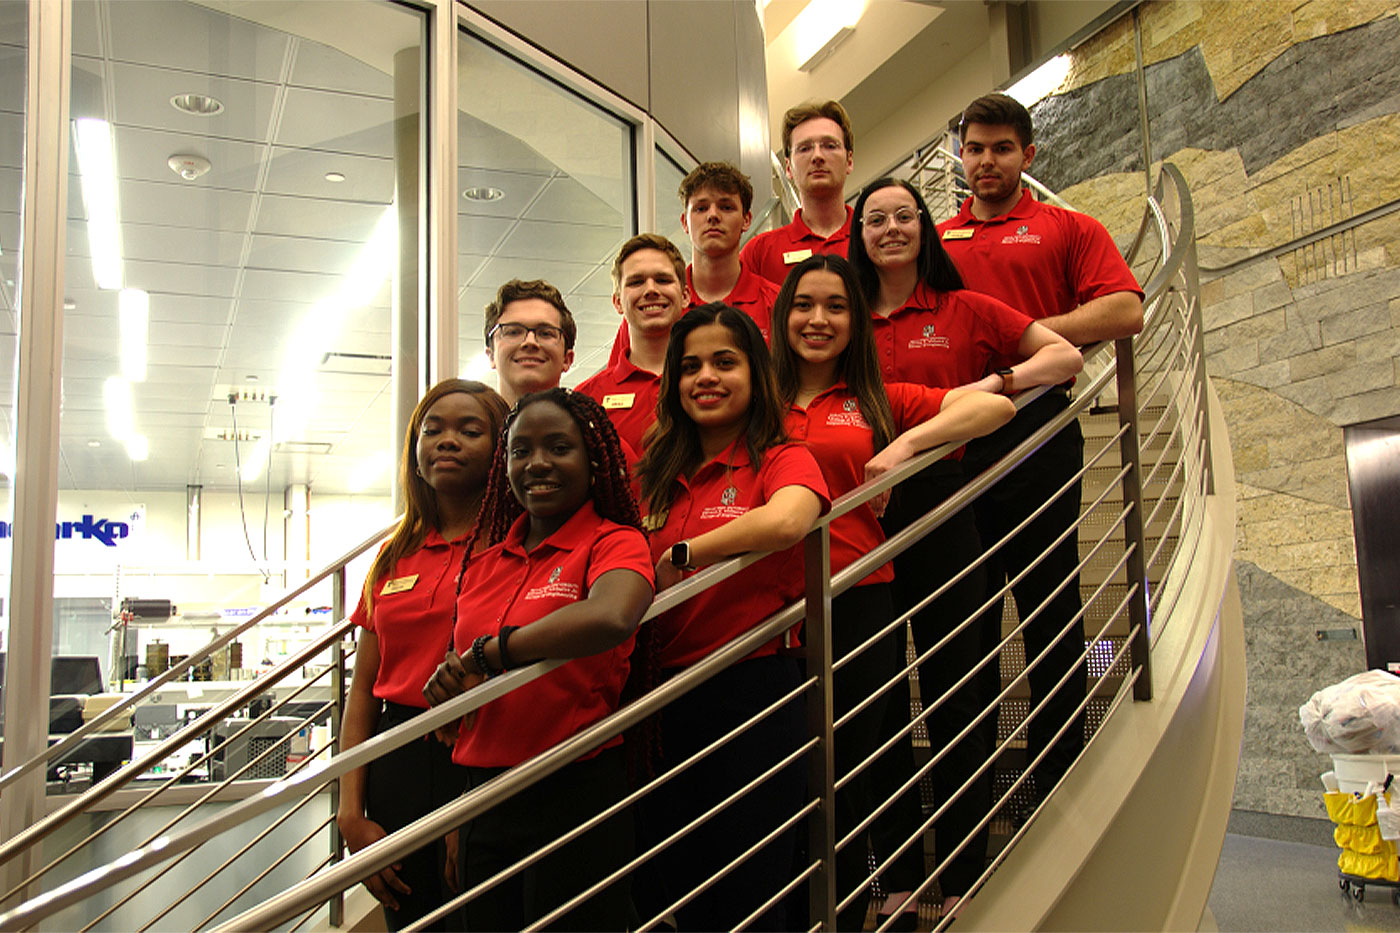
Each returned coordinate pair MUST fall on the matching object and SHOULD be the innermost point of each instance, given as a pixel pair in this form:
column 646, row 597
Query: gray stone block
column 1274, row 295
column 1290, row 343
column 1313, row 394
column 1368, row 406
column 1232, row 359
column 1228, row 311
column 1267, row 376
column 1364, row 320
column 1321, row 362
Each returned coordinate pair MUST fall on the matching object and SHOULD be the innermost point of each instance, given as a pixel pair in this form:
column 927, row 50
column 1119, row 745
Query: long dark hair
column 858, row 365
column 420, row 511
column 673, row 444
column 936, row 268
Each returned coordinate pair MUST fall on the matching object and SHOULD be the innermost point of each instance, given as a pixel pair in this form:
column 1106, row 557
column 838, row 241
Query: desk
column 105, row 751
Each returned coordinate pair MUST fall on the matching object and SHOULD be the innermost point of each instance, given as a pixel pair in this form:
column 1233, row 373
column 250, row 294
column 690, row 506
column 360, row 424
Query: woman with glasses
column 932, row 331
column 859, row 428
column 719, row 479
column 405, row 611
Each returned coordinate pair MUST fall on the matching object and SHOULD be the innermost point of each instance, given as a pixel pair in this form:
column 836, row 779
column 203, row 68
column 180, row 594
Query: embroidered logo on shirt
column 930, row 340
column 729, row 495
column 554, row 589
column 1022, row 235
column 851, row 404
column 726, row 509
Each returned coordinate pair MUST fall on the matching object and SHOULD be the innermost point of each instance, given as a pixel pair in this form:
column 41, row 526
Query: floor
column 1280, row 873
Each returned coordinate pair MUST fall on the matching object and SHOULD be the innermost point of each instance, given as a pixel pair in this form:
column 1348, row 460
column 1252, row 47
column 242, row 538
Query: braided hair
column 612, row 499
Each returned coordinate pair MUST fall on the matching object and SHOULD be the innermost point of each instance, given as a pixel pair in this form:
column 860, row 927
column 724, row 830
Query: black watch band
column 680, row 556
column 1007, row 380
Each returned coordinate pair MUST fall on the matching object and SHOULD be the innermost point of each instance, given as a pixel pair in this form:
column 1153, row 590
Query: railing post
column 336, row 906
column 821, row 764
column 1133, row 533
column 1195, row 316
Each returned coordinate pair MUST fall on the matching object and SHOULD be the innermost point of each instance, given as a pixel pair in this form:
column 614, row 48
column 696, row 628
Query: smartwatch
column 1007, row 381
column 680, row 556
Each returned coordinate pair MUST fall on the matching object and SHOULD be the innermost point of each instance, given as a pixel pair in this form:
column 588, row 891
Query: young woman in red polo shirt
column 406, row 611
column 930, row 330
column 858, row 428
column 568, row 574
column 719, row 479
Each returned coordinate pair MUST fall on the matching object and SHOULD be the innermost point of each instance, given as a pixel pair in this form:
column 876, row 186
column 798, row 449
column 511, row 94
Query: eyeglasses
column 514, row 333
column 905, row 217
column 827, row 146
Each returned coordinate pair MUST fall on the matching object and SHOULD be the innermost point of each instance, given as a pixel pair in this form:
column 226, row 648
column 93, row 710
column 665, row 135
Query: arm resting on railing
column 1107, row 317
column 779, row 523
column 1049, row 359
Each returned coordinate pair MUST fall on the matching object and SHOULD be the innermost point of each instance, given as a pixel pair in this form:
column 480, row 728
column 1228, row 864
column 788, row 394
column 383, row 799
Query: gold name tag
column 796, row 255
column 399, row 585
column 619, row 401
column 961, row 233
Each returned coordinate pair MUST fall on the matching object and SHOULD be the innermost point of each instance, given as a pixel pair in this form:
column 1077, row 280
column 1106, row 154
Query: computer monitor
column 69, row 675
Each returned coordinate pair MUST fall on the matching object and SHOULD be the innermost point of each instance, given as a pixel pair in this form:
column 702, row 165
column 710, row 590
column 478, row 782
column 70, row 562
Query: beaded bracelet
column 479, row 656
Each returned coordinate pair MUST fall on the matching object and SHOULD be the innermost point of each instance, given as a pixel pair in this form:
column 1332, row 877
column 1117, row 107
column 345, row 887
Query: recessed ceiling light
column 94, row 443
column 252, row 377
column 197, row 104
column 336, row 177
column 483, row 194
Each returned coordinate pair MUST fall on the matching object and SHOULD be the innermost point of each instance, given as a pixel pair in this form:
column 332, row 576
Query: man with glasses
column 649, row 292
column 529, row 337
column 1062, row 269
column 817, row 144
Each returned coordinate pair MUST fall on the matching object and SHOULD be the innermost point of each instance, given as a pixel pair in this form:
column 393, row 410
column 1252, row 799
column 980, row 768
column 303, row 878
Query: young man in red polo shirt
column 1061, row 268
column 716, row 202
column 649, row 291
column 817, row 145
column 530, row 337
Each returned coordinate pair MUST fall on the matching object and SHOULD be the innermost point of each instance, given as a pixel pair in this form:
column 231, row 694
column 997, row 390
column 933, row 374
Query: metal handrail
column 72, row 739
column 942, row 152
column 314, row 890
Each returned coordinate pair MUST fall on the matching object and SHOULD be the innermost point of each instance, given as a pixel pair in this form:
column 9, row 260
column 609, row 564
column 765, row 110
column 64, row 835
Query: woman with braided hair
column 406, row 611
column 566, row 573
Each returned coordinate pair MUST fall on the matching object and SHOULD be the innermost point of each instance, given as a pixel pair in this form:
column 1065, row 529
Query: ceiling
column 259, row 277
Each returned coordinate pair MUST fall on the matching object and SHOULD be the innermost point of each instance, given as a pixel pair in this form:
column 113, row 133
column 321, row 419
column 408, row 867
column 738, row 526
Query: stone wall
column 1282, row 116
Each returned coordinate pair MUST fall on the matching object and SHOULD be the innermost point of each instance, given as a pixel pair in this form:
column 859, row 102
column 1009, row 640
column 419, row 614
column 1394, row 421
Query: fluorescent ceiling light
column 137, row 447
column 134, row 312
column 92, row 139
column 253, row 466
column 121, row 419
column 821, row 27
column 1042, row 82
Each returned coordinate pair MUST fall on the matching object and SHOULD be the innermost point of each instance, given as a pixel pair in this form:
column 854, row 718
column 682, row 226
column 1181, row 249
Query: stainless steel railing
column 1146, row 479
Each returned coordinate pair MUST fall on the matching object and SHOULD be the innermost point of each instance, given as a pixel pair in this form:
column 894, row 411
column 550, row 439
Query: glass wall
column 547, row 192
column 669, row 176
column 237, row 187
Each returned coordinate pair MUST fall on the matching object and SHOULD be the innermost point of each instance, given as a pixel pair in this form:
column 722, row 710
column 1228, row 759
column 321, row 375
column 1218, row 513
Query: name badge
column 399, row 585
column 796, row 255
column 960, row 233
column 622, row 400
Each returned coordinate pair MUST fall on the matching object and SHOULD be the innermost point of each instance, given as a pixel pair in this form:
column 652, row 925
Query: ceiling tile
column 141, row 97
column 302, row 172
column 338, row 122
column 537, row 239
column 195, row 38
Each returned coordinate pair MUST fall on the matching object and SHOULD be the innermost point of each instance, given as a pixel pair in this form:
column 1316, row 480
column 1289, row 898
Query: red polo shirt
column 1040, row 259
column 772, row 254
column 838, row 435
column 752, row 294
column 722, row 490
column 628, row 394
column 946, row 339
column 504, row 585
column 413, row 618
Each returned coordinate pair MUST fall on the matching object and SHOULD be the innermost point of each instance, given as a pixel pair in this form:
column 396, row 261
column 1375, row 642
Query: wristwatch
column 680, row 556
column 1007, row 387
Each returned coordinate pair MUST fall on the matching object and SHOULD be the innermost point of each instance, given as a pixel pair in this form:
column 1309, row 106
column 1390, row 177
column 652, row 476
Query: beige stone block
column 1336, row 581
column 1310, row 554
column 1213, row 291
column 1251, row 457
column 1321, row 362
column 1168, row 29
column 1346, row 603
column 1266, row 376
column 1228, row 311
column 1106, row 54
column 1368, row 406
column 1395, row 312
column 1379, row 348
column 1244, row 37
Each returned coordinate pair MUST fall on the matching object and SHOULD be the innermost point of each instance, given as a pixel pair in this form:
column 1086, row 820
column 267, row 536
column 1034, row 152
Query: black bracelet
column 479, row 656
column 506, row 663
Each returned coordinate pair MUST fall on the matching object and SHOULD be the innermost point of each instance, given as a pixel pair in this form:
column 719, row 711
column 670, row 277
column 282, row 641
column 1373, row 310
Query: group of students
column 744, row 393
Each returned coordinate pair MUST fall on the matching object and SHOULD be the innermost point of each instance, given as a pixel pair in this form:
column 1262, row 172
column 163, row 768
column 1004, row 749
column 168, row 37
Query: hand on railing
column 451, row 679
column 359, row 832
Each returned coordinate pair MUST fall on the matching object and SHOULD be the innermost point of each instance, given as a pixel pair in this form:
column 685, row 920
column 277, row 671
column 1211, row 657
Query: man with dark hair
column 529, row 336
column 716, row 202
column 649, row 292
column 817, row 146
column 1061, row 268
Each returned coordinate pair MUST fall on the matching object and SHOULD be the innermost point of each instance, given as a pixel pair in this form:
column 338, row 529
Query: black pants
column 999, row 510
column 532, row 819
column 918, row 572
column 856, row 615
column 696, row 719
column 407, row 783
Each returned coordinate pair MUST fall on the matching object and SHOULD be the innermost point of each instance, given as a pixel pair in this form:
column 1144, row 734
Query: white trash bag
column 1359, row 715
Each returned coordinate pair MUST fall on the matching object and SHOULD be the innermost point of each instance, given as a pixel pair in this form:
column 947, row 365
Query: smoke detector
column 188, row 167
